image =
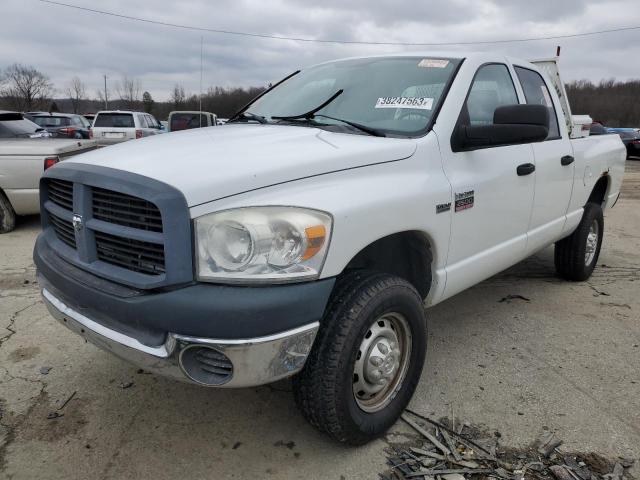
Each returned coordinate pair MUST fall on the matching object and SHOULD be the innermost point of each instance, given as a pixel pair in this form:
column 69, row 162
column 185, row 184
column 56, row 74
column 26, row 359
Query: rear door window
column 51, row 122
column 537, row 93
column 114, row 120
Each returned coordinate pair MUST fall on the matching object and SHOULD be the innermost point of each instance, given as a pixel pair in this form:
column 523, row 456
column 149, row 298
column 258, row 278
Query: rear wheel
column 7, row 215
column 367, row 358
column 576, row 255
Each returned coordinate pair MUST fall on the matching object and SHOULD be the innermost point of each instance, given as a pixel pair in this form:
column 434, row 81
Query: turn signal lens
column 315, row 240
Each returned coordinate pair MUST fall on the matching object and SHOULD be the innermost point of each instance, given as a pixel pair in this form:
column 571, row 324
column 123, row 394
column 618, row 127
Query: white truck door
column 492, row 202
column 554, row 164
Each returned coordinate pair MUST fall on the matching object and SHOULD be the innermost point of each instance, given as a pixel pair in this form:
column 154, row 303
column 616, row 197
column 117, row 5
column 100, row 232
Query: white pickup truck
column 305, row 237
column 23, row 158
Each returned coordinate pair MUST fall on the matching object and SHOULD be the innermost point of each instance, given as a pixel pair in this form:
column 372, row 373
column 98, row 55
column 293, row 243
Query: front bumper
column 259, row 334
column 254, row 361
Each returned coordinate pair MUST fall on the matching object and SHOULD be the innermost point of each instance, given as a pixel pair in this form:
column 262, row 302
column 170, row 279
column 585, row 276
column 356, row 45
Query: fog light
column 205, row 365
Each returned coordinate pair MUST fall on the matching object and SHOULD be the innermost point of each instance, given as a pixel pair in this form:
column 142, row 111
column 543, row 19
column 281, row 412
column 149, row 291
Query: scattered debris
column 53, row 415
column 508, row 298
column 280, row 443
column 45, row 370
column 126, row 385
column 547, row 444
column 67, row 400
column 466, row 453
column 236, row 445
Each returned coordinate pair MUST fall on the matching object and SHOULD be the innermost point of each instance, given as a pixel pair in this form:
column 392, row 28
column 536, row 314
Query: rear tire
column 577, row 255
column 367, row 358
column 7, row 215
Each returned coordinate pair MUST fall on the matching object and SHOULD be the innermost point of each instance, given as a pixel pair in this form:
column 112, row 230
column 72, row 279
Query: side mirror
column 512, row 125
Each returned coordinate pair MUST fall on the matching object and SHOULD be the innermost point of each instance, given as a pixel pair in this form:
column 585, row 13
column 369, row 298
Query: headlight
column 262, row 244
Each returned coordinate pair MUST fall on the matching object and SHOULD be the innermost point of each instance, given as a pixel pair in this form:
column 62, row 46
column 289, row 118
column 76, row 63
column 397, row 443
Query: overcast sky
column 64, row 42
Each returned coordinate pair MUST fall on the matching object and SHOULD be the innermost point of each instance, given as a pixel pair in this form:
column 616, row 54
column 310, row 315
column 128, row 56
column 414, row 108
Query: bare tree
column 26, row 88
column 129, row 91
column 147, row 102
column 178, row 96
column 76, row 91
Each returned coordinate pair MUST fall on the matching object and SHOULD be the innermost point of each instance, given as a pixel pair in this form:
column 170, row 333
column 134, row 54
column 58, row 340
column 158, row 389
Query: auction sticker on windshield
column 433, row 63
column 423, row 103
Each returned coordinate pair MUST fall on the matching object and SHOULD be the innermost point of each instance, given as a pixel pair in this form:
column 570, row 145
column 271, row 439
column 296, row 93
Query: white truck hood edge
column 216, row 162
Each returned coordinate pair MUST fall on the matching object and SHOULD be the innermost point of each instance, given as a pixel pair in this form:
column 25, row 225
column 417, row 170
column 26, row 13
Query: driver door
column 491, row 203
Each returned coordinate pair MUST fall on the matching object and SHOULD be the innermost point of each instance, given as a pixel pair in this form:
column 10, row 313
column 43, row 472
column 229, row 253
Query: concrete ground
column 568, row 359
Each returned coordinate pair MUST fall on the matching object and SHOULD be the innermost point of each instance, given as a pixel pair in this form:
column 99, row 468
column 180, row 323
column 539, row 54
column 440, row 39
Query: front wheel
column 367, row 358
column 576, row 255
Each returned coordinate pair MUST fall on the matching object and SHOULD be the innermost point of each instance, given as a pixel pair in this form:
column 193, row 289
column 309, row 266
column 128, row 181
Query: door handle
column 566, row 160
column 526, row 169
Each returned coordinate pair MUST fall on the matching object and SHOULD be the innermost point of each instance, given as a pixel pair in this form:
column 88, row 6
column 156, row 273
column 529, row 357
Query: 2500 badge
column 464, row 200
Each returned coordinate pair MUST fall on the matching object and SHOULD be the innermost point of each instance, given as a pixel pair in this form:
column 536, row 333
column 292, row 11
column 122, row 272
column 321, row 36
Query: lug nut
column 383, row 348
column 375, row 361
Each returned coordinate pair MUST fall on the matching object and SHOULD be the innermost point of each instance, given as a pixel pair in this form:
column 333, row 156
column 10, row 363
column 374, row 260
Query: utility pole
column 201, row 46
column 106, row 99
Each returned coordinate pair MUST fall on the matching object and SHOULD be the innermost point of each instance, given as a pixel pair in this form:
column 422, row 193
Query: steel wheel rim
column 382, row 362
column 592, row 243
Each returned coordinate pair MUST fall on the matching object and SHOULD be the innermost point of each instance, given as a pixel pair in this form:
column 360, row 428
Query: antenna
column 106, row 99
column 200, row 114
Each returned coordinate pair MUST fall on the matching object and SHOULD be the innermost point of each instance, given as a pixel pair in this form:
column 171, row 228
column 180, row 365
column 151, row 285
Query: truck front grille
column 131, row 216
column 60, row 192
column 63, row 229
column 142, row 257
column 123, row 209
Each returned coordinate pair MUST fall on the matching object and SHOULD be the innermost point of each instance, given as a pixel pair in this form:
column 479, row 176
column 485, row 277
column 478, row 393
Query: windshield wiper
column 371, row 131
column 246, row 107
column 248, row 116
column 309, row 115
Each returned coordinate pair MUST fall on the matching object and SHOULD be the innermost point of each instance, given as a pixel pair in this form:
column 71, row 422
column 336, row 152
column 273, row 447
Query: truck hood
column 211, row 163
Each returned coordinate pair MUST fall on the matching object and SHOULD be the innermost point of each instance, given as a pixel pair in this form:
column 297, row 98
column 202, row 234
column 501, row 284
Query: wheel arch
column 599, row 191
column 408, row 255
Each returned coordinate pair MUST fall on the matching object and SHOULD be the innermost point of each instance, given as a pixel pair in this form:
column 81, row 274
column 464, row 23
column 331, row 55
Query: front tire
column 577, row 255
column 367, row 358
column 7, row 215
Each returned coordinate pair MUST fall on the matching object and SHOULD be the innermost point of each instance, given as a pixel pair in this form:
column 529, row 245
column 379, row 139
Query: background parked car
column 188, row 120
column 15, row 125
column 598, row 129
column 89, row 117
column 116, row 126
column 64, row 125
column 24, row 155
column 631, row 139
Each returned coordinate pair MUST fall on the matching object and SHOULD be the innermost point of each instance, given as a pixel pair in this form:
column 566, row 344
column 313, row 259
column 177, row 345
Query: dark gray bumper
column 196, row 309
column 265, row 332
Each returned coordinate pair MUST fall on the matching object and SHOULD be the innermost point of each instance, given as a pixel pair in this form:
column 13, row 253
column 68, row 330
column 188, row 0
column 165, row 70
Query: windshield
column 116, row 120
column 394, row 95
column 17, row 128
column 185, row 121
